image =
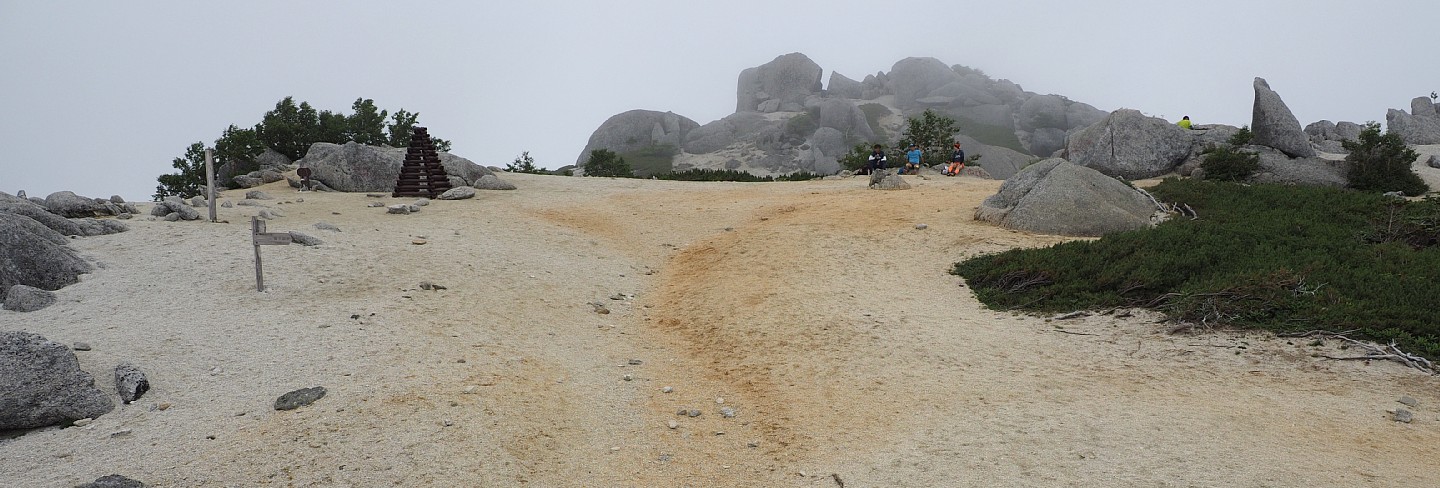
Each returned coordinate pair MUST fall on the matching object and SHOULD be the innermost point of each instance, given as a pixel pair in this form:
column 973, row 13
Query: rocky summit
column 786, row 120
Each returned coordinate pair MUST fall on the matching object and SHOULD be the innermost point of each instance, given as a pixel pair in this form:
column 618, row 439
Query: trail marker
column 259, row 237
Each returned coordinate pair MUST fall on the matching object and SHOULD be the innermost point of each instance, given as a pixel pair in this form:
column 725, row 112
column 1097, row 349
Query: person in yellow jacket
column 1185, row 123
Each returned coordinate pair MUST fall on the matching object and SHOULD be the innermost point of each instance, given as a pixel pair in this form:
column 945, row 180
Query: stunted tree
column 189, row 181
column 934, row 133
column 524, row 164
column 1381, row 163
column 366, row 123
column 290, row 129
column 238, row 148
column 604, row 162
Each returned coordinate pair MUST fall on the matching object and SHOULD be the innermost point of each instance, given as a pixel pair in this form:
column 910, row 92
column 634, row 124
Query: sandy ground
column 817, row 311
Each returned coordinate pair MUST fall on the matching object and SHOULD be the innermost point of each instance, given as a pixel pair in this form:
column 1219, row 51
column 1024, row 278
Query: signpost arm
column 210, row 184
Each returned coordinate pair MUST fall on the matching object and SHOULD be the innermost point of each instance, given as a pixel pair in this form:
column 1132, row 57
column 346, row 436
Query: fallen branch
column 1071, row 315
column 1063, row 331
column 1388, row 352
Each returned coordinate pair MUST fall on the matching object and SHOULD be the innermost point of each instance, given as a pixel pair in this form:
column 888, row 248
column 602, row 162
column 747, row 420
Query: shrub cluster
column 1382, row 163
column 1226, row 163
column 1283, row 258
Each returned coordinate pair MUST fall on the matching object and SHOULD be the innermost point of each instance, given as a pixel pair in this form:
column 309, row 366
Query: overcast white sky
column 99, row 95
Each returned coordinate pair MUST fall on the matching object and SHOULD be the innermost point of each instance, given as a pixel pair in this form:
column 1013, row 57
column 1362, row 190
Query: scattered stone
column 26, row 298
column 635, row 362
column 727, row 412
column 600, row 308
column 421, row 202
column 752, row 444
column 172, row 217
column 113, row 481
column 1403, row 415
column 82, row 346
column 163, row 406
column 492, row 182
column 268, row 214
column 1409, row 402
column 43, row 384
column 672, row 424
column 130, row 382
column 120, row 433
column 227, row 204
column 258, row 195
column 418, row 242
column 458, row 193
column 426, row 285
column 299, row 398
column 125, row 216
column 83, row 422
column 326, row 226
column 304, row 239
column 250, row 203
column 628, row 377
column 921, row 226
column 414, row 208
column 666, row 389
column 399, row 209
column 692, row 413
column 720, row 401
column 377, row 204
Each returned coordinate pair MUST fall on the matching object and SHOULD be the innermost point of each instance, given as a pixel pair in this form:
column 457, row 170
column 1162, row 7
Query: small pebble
column 470, row 389
column 628, row 377
column 727, row 412
column 418, row 242
column 1409, row 402
column 673, row 424
column 1403, row 415
column 83, row 422
column 921, row 226
column 448, row 423
column 752, row 444
column 163, row 406
column 210, row 437
column 461, row 360
column 719, row 401
column 635, row 362
column 82, row 346
column 614, row 449
column 666, row 389
column 120, row 433
column 693, row 413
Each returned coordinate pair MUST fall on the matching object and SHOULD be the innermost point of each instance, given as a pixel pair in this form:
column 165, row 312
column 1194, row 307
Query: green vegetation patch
column 655, row 159
column 1280, row 258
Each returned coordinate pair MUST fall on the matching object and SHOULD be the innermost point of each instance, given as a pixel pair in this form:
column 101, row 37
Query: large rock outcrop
column 1275, row 126
column 636, row 130
column 1277, row 167
column 354, row 167
column 779, row 85
column 1130, row 145
column 1420, row 126
column 32, row 254
column 1055, row 196
column 68, row 204
column 43, row 384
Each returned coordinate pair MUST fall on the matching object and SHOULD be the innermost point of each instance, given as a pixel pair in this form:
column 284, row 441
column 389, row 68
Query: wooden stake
column 256, row 228
column 210, row 187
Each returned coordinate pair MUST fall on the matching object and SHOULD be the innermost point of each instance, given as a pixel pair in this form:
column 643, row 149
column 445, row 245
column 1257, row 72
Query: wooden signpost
column 210, row 181
column 259, row 237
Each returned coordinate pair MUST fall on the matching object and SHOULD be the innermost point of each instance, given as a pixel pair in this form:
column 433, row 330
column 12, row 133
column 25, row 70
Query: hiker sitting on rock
column 876, row 161
column 1184, row 123
column 957, row 161
column 912, row 161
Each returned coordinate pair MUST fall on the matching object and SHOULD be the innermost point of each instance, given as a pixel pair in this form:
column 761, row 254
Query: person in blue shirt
column 912, row 164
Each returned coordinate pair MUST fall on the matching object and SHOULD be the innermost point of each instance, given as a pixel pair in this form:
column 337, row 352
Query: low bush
column 1381, row 163
column 1243, row 136
column 1225, row 163
column 1282, row 258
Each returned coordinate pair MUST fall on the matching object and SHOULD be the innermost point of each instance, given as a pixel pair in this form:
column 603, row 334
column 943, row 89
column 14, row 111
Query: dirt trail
column 828, row 322
column 817, row 311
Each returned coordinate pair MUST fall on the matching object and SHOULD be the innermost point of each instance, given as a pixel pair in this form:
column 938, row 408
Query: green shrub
column 934, row 133
column 604, row 162
column 856, row 158
column 1225, row 163
column 1243, row 136
column 1382, row 163
column 655, row 159
column 525, row 164
column 1282, row 258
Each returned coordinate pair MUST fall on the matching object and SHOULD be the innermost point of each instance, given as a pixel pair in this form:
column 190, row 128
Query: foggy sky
column 100, row 96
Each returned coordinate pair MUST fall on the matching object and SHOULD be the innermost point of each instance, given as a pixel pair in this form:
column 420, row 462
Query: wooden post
column 256, row 228
column 210, row 188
